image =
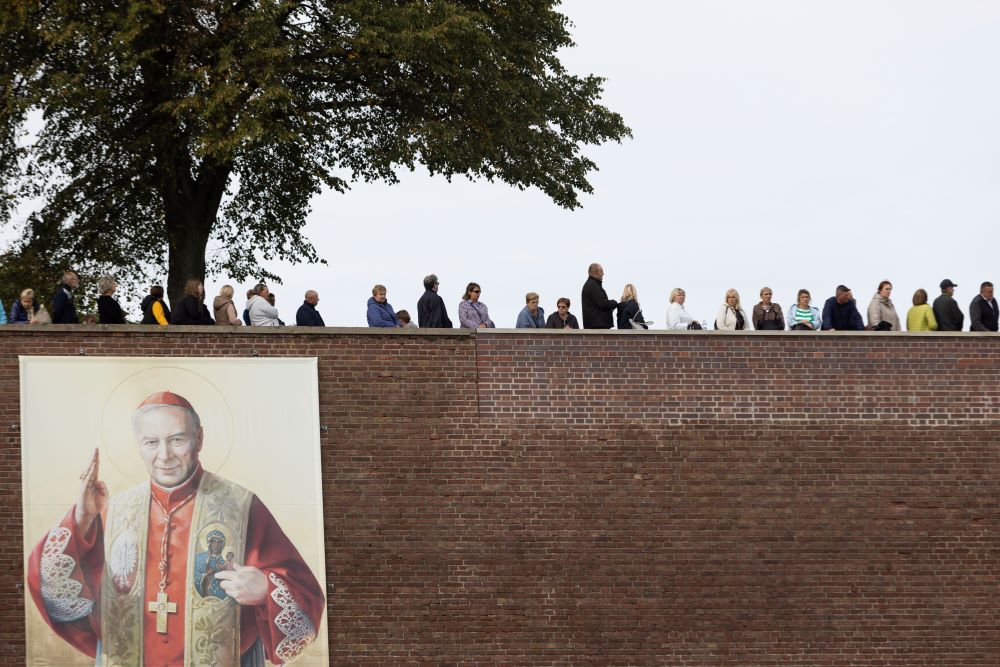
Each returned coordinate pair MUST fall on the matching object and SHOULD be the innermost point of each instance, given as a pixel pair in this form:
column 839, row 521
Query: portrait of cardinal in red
column 187, row 568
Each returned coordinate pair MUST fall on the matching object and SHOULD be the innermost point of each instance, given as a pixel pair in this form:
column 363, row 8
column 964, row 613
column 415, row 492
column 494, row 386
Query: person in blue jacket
column 840, row 313
column 531, row 316
column 380, row 313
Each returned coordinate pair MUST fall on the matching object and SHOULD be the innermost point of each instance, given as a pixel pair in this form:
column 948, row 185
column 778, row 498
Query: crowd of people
column 839, row 313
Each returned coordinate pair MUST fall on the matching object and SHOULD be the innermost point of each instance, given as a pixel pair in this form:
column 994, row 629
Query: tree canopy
column 167, row 126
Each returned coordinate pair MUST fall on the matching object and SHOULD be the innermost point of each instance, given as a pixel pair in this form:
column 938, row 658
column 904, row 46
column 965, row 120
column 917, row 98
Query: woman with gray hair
column 531, row 316
column 108, row 309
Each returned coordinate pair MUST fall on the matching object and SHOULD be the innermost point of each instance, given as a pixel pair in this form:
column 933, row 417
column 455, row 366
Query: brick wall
column 628, row 499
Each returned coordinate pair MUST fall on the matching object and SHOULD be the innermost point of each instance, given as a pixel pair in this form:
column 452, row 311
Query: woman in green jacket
column 921, row 316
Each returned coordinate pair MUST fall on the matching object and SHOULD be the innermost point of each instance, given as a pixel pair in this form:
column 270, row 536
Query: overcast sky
column 787, row 143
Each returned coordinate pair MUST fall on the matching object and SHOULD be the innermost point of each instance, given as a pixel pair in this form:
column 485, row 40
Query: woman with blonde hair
column 629, row 312
column 24, row 308
column 225, row 309
column 677, row 315
column 767, row 315
column 731, row 316
column 109, row 311
column 921, row 316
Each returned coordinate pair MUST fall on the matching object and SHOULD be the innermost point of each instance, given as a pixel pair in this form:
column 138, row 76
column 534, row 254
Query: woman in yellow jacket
column 921, row 316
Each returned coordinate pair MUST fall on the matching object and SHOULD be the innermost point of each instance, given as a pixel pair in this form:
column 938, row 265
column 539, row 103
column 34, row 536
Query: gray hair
column 195, row 419
column 106, row 284
column 430, row 281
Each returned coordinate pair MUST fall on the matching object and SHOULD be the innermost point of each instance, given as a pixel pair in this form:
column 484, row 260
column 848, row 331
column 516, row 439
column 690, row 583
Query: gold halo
column 117, row 441
column 227, row 531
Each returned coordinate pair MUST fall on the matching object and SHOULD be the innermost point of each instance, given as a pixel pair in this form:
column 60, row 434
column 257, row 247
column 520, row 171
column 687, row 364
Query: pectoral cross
column 162, row 608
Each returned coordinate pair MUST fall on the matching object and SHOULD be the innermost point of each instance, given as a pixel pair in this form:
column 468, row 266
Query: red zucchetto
column 166, row 398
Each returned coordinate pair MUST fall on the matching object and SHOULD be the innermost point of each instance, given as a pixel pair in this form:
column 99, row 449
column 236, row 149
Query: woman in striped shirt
column 803, row 316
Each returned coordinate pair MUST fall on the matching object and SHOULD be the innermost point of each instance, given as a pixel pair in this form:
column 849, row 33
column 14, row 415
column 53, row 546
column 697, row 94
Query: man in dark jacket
column 431, row 313
column 597, row 308
column 63, row 308
column 840, row 313
column 307, row 315
column 946, row 311
column 983, row 314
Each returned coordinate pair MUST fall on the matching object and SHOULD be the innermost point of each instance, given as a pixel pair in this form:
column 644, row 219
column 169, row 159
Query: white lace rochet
column 292, row 621
column 60, row 592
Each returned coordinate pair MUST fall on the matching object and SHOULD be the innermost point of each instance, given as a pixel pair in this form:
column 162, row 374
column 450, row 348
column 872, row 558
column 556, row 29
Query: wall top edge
column 141, row 329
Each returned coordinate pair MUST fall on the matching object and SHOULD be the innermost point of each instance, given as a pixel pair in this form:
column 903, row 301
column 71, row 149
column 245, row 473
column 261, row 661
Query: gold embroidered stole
column 212, row 628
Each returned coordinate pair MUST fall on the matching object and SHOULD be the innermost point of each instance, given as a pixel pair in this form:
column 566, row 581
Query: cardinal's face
column 169, row 444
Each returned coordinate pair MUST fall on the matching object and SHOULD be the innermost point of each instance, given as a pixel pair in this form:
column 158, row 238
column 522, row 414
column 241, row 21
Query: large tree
column 169, row 124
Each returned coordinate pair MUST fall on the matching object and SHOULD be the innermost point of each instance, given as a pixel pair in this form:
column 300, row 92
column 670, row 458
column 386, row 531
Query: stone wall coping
column 148, row 329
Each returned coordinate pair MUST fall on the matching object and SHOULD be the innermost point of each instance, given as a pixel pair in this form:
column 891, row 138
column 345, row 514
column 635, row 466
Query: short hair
column 309, row 293
column 226, row 291
column 191, row 287
column 259, row 288
column 403, row 316
column 629, row 293
column 531, row 296
column 156, row 291
column 195, row 419
column 766, row 289
column 67, row 274
column 106, row 285
column 468, row 290
column 883, row 284
column 430, row 281
column 378, row 288
column 561, row 301
column 801, row 292
column 985, row 285
column 28, row 292
column 732, row 292
column 674, row 293
column 920, row 297
column 592, row 269
column 250, row 292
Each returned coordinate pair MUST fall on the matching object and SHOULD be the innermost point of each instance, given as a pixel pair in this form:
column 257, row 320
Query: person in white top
column 731, row 316
column 262, row 313
column 677, row 317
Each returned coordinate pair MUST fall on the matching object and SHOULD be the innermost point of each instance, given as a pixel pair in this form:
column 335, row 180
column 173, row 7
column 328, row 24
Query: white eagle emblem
column 124, row 560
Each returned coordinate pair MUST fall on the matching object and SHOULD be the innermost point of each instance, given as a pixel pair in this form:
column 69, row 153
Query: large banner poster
column 172, row 511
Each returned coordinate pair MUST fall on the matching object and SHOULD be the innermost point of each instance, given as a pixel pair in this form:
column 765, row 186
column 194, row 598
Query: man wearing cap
column 983, row 315
column 840, row 312
column 139, row 578
column 946, row 311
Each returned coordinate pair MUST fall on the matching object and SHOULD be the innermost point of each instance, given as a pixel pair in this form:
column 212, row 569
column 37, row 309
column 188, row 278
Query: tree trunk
column 191, row 212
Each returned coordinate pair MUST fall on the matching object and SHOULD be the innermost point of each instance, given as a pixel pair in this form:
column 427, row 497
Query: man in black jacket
column 431, row 313
column 597, row 307
column 946, row 311
column 63, row 308
column 983, row 315
column 307, row 315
